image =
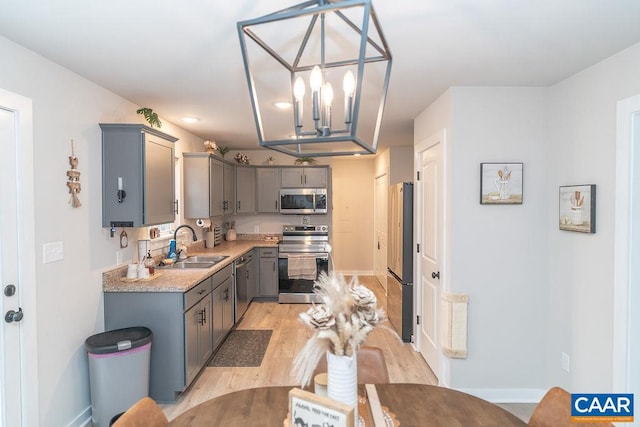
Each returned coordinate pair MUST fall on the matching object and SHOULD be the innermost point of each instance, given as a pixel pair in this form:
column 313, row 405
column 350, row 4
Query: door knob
column 435, row 275
column 13, row 316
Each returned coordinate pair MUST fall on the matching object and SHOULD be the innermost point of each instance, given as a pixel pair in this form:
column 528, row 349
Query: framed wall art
column 309, row 409
column 501, row 183
column 578, row 208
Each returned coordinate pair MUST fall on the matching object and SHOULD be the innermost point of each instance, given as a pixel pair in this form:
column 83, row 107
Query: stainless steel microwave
column 306, row 201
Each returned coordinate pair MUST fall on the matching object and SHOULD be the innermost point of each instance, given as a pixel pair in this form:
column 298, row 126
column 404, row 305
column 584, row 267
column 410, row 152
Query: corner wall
column 69, row 292
column 581, row 266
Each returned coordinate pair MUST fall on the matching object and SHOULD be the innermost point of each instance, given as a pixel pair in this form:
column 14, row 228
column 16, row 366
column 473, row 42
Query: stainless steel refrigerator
column 400, row 259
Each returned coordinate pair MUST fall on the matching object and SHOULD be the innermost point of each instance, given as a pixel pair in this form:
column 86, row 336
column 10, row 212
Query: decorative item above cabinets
column 138, row 182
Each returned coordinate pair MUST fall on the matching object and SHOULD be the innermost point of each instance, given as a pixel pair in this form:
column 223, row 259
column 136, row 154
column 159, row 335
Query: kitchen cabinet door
column 223, row 311
column 268, row 279
column 245, row 190
column 228, row 315
column 138, row 160
column 218, row 315
column 268, row 194
column 297, row 177
column 229, row 189
column 203, row 178
column 216, row 194
column 315, row 177
column 192, row 331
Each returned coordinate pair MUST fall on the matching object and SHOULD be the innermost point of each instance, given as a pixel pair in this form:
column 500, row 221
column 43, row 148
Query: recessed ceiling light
column 282, row 104
column 357, row 154
column 190, row 119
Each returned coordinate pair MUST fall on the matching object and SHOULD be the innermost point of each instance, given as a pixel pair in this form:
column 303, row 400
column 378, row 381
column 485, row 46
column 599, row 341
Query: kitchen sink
column 198, row 261
column 205, row 258
column 185, row 264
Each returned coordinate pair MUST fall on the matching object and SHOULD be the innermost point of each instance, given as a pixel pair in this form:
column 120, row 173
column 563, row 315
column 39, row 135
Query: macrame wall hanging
column 73, row 179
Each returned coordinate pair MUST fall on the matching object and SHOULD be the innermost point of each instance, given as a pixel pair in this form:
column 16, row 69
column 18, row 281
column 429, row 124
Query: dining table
column 409, row 404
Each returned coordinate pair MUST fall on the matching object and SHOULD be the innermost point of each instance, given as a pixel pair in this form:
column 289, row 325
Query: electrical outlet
column 52, row 252
column 118, row 257
column 256, row 229
column 566, row 362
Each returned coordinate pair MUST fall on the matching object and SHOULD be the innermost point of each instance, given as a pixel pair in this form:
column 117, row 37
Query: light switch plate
column 52, row 252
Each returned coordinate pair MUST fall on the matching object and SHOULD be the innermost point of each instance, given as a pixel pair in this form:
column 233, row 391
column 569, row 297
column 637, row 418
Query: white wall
column 353, row 184
column 582, row 142
column 498, row 253
column 69, row 292
column 535, row 291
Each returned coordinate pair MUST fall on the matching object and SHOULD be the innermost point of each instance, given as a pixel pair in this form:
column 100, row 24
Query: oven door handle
column 323, row 255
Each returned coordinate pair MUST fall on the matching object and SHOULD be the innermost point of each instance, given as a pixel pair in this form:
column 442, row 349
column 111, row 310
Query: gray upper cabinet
column 268, row 194
column 313, row 177
column 229, row 190
column 245, row 189
column 138, row 160
column 203, row 186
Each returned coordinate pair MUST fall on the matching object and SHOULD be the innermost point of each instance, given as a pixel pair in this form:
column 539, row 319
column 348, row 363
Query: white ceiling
column 182, row 58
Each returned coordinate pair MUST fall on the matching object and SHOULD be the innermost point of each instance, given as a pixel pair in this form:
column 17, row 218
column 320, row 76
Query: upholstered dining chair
column 372, row 368
column 144, row 413
column 554, row 410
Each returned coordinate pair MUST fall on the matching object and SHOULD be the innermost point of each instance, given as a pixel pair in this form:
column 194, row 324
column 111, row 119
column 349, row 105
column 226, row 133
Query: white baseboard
column 506, row 395
column 82, row 420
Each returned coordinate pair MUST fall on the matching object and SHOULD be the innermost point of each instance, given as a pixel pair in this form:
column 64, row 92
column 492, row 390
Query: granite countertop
column 181, row 280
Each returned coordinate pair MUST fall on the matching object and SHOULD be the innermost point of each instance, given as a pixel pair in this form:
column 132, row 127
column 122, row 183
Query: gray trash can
column 118, row 371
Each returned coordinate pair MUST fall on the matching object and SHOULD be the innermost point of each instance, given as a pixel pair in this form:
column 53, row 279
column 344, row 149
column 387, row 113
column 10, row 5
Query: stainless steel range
column 303, row 255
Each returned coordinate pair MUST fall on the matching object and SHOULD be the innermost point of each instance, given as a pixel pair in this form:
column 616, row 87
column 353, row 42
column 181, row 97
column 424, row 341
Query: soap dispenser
column 173, row 253
column 148, row 262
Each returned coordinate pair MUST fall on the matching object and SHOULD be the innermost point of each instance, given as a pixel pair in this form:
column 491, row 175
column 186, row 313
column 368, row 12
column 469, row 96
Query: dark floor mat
column 242, row 348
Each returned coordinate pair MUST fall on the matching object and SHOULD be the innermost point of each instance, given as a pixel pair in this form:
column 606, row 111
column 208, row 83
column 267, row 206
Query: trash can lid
column 118, row 340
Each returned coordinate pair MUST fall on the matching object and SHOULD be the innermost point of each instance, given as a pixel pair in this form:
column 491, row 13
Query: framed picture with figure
column 501, row 183
column 577, row 208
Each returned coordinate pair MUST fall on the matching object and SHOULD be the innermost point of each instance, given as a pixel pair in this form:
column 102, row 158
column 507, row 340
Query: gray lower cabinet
column 223, row 310
column 183, row 327
column 268, row 276
column 199, row 335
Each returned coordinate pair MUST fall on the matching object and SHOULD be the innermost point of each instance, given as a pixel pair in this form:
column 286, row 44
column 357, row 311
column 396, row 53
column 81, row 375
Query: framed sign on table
column 309, row 409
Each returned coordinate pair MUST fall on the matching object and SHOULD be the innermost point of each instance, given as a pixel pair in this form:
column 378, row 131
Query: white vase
column 342, row 380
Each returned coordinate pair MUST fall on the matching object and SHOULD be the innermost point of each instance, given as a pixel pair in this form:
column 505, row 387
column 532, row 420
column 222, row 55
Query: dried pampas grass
column 348, row 313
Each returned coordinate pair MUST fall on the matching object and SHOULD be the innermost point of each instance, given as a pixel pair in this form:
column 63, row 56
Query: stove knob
column 323, row 228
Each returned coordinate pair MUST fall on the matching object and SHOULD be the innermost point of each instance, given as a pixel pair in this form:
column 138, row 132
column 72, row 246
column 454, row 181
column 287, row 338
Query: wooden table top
column 413, row 405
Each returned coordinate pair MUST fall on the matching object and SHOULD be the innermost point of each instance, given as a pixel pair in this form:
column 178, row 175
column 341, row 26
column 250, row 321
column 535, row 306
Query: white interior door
column 18, row 368
column 380, row 224
column 429, row 233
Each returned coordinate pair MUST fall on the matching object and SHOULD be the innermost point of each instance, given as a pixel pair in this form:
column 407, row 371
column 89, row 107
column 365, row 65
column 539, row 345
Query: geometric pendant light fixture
column 328, row 63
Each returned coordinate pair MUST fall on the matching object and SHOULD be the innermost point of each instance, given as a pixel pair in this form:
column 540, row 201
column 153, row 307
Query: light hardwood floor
column 289, row 335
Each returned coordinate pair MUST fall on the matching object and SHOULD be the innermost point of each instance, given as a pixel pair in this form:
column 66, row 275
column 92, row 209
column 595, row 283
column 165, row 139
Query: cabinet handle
column 301, row 182
column 204, row 316
column 305, row 180
column 238, row 205
column 274, row 266
column 276, row 205
column 175, row 207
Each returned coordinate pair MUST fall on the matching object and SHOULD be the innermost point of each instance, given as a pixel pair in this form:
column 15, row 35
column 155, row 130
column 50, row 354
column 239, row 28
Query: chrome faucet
column 175, row 233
